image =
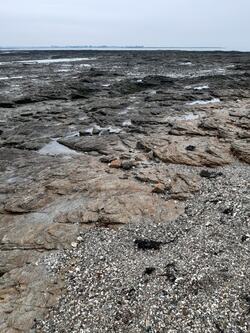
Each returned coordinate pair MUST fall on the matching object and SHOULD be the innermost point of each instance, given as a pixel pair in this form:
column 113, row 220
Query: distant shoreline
column 119, row 48
column 58, row 48
column 104, row 47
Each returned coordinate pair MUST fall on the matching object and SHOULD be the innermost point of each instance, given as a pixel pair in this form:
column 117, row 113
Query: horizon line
column 112, row 46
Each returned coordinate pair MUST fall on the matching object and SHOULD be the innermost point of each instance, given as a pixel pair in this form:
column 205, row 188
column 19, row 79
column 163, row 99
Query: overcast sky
column 186, row 23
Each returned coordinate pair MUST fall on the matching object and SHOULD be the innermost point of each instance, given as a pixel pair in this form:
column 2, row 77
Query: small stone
column 106, row 159
column 190, row 148
column 96, row 130
column 74, row 244
column 159, row 188
column 127, row 165
column 115, row 164
column 147, row 244
column 149, row 270
column 210, row 174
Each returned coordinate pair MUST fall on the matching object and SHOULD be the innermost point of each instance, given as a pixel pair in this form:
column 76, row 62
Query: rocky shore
column 124, row 191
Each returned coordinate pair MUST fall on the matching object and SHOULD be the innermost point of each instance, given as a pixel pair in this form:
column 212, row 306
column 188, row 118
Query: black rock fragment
column 146, row 244
column 210, row 174
column 228, row 211
column 149, row 270
column 244, row 238
column 219, row 329
column 141, row 146
column 127, row 165
column 190, row 148
column 170, row 272
column 106, row 159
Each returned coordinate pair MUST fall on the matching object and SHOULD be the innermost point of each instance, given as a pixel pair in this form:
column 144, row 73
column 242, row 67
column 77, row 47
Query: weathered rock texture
column 115, row 142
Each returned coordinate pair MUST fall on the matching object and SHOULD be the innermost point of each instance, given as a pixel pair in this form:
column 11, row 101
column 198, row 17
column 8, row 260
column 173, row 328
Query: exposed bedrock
column 110, row 141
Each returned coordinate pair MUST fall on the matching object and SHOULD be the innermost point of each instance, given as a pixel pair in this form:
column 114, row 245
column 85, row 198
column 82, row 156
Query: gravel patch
column 191, row 275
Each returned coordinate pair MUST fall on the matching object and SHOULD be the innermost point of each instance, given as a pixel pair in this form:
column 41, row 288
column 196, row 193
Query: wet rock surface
column 124, row 200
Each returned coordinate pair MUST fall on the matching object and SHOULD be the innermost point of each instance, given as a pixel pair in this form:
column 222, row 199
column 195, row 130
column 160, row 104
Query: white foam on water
column 4, row 78
column 55, row 148
column 199, row 102
column 106, row 85
column 201, row 88
column 127, row 123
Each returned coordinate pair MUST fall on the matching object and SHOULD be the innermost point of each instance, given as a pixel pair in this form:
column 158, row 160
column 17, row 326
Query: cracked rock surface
column 124, row 194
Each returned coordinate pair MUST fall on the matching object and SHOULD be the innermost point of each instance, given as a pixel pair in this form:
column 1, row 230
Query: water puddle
column 127, row 123
column 85, row 65
column 220, row 70
column 188, row 116
column 50, row 61
column 200, row 102
column 201, row 87
column 123, row 112
column 47, row 61
column 186, row 63
column 98, row 130
column 55, row 148
column 72, row 135
column 11, row 77
column 111, row 129
column 83, row 118
column 13, row 180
